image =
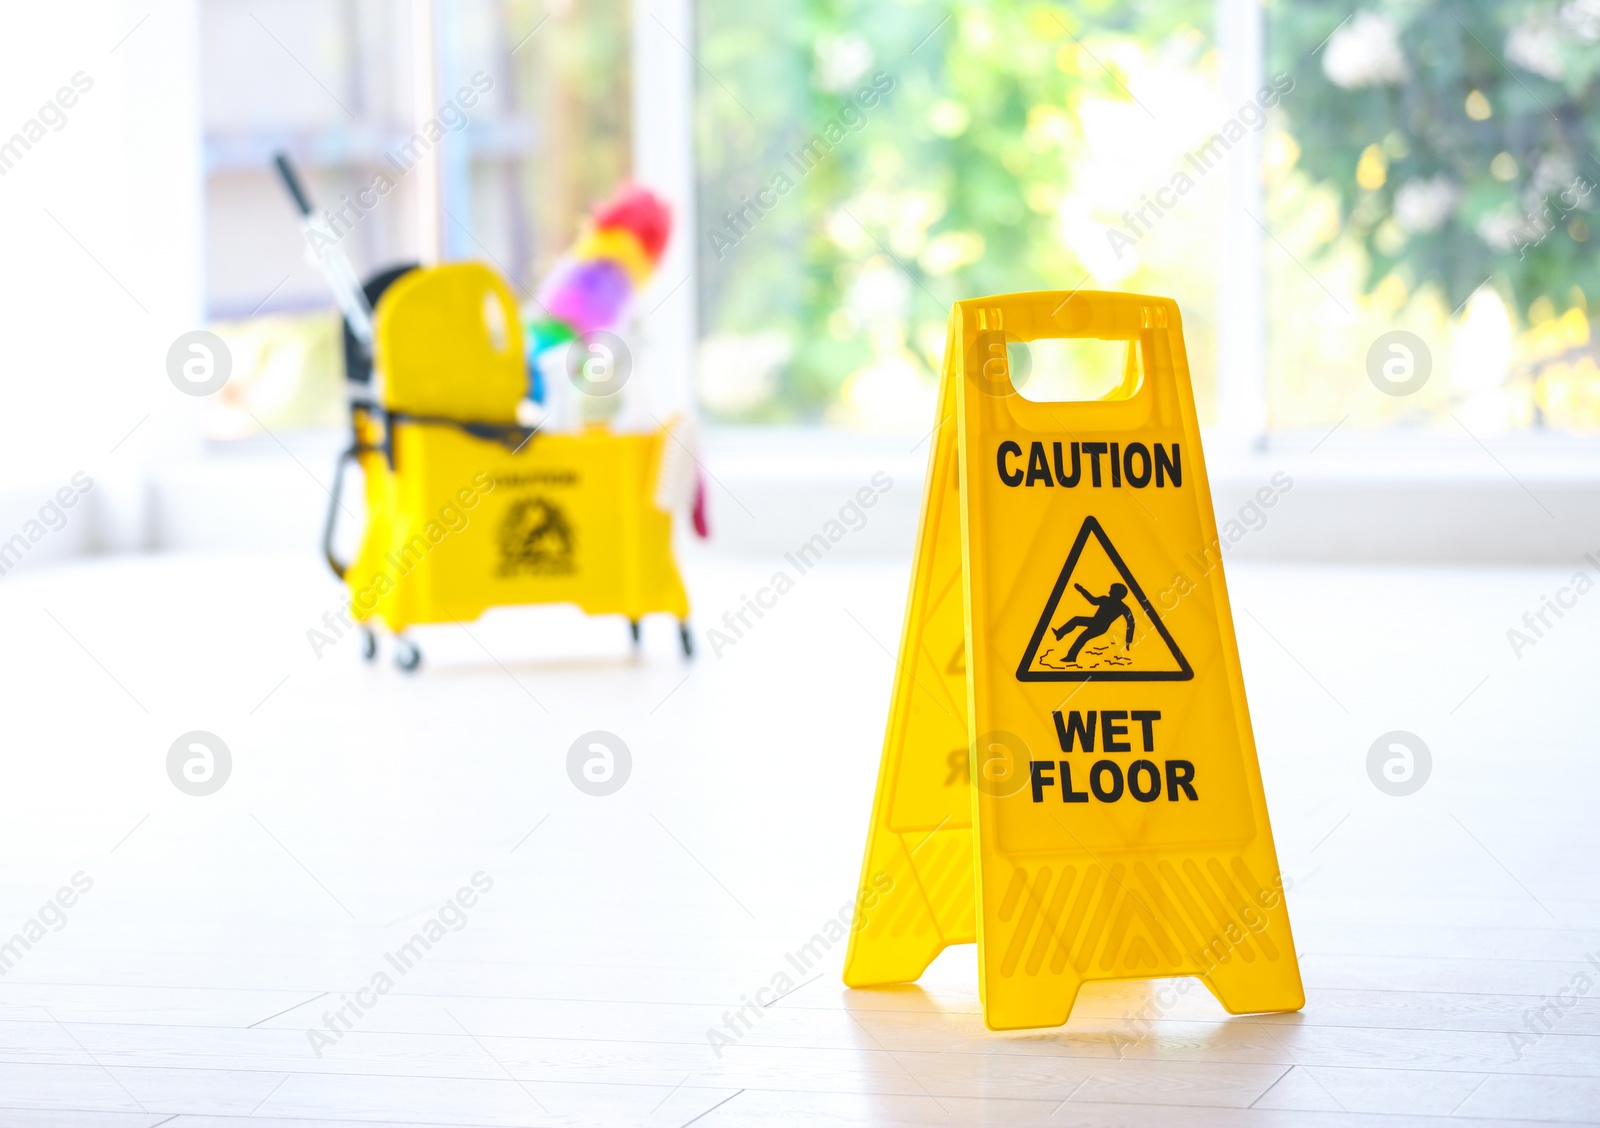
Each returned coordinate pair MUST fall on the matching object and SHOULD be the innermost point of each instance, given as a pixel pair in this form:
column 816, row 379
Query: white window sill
column 1355, row 497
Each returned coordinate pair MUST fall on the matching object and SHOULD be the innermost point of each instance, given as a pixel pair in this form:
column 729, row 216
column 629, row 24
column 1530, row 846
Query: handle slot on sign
column 1035, row 353
column 1074, row 370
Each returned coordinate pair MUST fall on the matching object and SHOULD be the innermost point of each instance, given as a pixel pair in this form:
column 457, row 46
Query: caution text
column 1090, row 464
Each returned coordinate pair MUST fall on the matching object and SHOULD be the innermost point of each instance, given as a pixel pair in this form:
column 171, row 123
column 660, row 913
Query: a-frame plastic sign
column 1069, row 776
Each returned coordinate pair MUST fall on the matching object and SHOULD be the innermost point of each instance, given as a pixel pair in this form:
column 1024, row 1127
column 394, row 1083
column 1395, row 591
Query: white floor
column 620, row 930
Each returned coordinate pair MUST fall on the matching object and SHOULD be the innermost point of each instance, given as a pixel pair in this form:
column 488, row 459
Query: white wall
column 100, row 224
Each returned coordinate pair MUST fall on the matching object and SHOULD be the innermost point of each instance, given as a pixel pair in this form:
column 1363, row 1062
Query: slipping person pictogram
column 1108, row 609
column 1142, row 650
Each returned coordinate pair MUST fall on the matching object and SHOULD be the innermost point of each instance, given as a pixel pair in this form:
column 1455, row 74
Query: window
column 339, row 84
column 1431, row 186
column 1416, row 230
column 1376, row 219
column 862, row 166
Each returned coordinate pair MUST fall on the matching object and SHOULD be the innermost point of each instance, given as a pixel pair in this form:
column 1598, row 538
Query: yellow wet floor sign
column 1069, row 776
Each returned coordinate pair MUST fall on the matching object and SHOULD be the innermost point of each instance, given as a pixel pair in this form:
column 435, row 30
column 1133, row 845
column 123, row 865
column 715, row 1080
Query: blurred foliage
column 1429, row 146
column 1458, row 135
column 572, row 70
column 949, row 189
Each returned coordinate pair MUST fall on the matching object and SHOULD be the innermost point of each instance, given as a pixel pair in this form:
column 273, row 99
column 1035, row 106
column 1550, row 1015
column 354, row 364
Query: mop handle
column 336, row 268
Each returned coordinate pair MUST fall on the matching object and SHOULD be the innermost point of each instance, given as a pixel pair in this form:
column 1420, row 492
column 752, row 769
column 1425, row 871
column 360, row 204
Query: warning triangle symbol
column 1098, row 625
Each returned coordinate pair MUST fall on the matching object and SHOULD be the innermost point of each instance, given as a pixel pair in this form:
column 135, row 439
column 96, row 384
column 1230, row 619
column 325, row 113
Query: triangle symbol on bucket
column 1098, row 625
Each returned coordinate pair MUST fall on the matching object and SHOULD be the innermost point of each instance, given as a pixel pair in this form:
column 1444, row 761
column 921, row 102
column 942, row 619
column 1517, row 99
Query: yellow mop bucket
column 468, row 510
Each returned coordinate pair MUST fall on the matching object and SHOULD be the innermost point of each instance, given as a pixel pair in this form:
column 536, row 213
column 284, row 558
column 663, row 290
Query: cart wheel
column 369, row 645
column 688, row 641
column 406, row 654
column 633, row 629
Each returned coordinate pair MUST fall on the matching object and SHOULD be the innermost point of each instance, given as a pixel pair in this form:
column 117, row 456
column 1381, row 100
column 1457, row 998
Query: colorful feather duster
column 593, row 284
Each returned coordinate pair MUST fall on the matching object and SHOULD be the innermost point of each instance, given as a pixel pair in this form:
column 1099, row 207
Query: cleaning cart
column 466, row 508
